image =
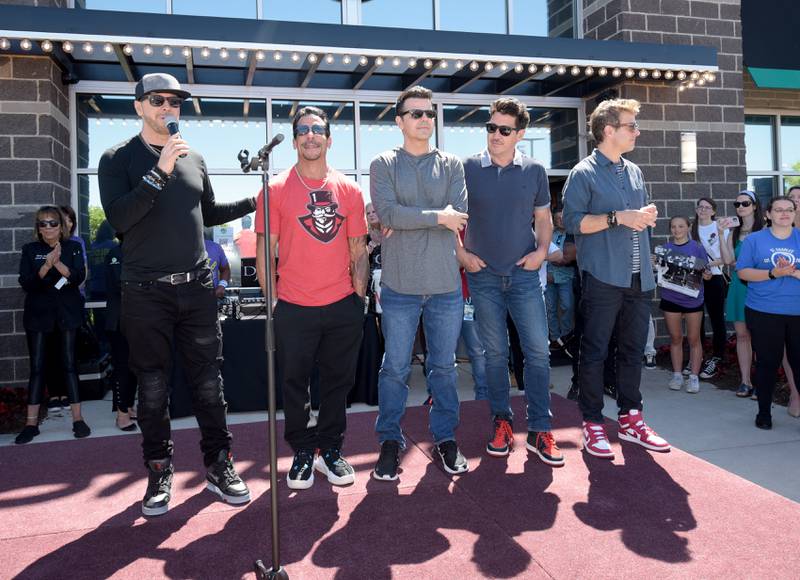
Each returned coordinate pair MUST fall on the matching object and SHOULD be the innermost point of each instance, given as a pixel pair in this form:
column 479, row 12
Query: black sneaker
column 611, row 391
column 388, row 461
column 80, row 429
column 331, row 463
column 452, row 459
column 544, row 445
column 573, row 394
column 710, row 368
column 54, row 408
column 224, row 481
column 650, row 361
column 301, row 475
column 27, row 434
column 159, row 487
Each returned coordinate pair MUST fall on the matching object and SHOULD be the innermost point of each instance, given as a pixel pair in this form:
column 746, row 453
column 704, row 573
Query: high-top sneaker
column 159, row 487
column 331, row 463
column 502, row 438
column 225, row 482
column 633, row 428
column 595, row 440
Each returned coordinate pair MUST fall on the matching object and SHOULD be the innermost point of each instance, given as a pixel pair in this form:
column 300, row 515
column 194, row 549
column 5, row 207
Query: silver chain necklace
column 149, row 147
column 309, row 188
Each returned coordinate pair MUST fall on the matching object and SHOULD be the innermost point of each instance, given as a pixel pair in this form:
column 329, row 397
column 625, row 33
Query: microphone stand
column 261, row 161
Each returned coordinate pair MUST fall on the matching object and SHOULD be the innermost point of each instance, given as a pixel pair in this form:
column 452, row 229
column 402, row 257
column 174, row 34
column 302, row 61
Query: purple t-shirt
column 216, row 258
column 690, row 248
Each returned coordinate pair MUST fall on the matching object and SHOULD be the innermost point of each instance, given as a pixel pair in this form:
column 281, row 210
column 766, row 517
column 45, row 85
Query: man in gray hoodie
column 420, row 195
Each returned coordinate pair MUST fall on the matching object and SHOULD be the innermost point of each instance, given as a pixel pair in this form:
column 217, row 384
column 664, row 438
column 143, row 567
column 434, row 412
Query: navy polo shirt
column 501, row 203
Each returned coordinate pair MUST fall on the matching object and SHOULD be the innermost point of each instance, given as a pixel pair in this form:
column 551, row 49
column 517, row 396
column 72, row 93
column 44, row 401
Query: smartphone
column 729, row 222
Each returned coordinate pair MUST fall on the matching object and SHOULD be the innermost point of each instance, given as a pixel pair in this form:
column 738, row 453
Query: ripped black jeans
column 155, row 314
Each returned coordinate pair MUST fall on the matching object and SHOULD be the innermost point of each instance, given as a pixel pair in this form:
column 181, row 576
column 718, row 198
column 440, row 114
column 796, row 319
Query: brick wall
column 756, row 98
column 34, row 170
column 714, row 111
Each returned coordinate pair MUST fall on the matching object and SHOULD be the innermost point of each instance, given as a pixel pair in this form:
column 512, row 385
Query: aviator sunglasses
column 505, row 130
column 301, row 130
column 158, row 100
column 49, row 223
column 418, row 113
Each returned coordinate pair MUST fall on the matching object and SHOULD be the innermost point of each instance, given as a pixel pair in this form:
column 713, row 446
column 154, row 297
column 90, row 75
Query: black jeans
column 37, row 350
column 154, row 314
column 770, row 333
column 330, row 336
column 123, row 380
column 603, row 307
column 714, row 299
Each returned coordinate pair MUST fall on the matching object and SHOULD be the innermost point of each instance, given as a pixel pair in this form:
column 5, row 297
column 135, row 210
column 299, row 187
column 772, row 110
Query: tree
column 96, row 217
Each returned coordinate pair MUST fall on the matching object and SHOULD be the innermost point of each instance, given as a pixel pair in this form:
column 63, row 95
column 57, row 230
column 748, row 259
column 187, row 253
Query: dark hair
column 607, row 113
column 70, row 213
column 317, row 112
column 46, row 210
column 695, row 221
column 513, row 107
column 758, row 218
column 791, row 189
column 780, row 198
column 415, row 92
column 680, row 217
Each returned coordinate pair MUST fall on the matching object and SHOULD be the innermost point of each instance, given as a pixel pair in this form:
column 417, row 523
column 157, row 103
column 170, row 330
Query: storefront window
column 379, row 131
column 226, row 9
column 790, row 144
column 759, row 141
column 542, row 17
column 765, row 187
column 341, row 154
column 410, row 14
column 158, row 6
column 322, row 11
column 473, row 15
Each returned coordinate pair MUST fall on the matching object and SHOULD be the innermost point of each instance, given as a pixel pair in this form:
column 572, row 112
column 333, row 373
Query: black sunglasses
column 738, row 204
column 505, row 130
column 158, row 100
column 49, row 223
column 418, row 113
column 301, row 130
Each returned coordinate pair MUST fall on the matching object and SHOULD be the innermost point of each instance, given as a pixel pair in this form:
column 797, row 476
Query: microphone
column 267, row 149
column 172, row 126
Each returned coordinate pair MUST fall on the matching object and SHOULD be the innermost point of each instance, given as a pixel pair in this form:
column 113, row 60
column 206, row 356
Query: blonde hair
column 607, row 113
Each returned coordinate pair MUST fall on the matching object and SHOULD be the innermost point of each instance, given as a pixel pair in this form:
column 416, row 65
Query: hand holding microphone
column 175, row 146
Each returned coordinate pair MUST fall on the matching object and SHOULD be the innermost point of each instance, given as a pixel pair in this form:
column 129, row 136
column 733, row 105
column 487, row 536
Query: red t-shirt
column 313, row 226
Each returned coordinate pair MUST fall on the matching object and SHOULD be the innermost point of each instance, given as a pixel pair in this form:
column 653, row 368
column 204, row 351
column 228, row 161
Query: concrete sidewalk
column 713, row 425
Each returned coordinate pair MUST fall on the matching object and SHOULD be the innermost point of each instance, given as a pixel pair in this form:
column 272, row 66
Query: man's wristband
column 611, row 219
column 223, row 283
column 770, row 274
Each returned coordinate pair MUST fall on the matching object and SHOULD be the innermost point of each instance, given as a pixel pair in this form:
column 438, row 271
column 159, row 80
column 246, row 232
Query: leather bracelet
column 770, row 274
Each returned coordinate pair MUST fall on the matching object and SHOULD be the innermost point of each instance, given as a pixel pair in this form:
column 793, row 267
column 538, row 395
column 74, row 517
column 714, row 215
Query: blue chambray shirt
column 593, row 188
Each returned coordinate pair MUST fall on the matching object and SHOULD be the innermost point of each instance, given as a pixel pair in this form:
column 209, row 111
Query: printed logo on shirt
column 782, row 257
column 323, row 222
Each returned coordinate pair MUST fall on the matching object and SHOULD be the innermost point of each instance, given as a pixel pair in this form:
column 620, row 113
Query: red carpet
column 71, row 510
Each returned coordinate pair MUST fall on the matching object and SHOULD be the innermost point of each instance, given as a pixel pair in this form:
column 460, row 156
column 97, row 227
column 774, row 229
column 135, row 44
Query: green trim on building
column 774, row 78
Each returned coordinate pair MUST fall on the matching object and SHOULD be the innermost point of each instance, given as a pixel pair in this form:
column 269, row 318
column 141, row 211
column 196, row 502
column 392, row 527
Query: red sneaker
column 502, row 438
column 633, row 428
column 595, row 441
column 544, row 445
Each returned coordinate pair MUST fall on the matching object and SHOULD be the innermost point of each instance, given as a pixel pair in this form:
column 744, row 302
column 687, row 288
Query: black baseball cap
column 160, row 83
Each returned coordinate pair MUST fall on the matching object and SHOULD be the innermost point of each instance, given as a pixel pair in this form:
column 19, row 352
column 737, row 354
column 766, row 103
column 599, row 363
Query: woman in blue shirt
column 768, row 263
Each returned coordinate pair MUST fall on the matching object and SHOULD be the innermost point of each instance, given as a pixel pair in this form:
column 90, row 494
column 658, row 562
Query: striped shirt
column 636, row 262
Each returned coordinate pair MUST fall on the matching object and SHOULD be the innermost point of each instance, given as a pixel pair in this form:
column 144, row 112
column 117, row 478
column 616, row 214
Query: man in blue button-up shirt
column 605, row 206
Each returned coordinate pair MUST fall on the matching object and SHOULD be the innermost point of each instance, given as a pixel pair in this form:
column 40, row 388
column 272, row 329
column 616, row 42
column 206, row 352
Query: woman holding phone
column 768, row 263
column 705, row 230
column 751, row 220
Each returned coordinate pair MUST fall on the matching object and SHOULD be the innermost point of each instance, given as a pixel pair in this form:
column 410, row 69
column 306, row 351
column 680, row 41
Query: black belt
column 179, row 277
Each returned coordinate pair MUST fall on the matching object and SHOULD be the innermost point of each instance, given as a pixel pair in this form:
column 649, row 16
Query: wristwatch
column 611, row 219
column 770, row 274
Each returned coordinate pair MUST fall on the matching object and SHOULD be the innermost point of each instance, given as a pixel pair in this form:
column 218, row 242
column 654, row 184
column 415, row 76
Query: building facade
column 68, row 68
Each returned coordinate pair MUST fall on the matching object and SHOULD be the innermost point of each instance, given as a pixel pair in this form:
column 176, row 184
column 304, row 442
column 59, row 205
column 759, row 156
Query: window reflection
column 473, row 15
column 227, row 9
column 378, row 132
column 139, row 6
column 341, row 155
column 542, row 17
column 790, row 143
column 324, row 11
column 414, row 13
column 764, row 186
column 758, row 141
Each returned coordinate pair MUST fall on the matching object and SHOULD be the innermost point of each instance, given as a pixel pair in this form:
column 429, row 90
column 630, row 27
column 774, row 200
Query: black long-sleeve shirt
column 47, row 307
column 163, row 229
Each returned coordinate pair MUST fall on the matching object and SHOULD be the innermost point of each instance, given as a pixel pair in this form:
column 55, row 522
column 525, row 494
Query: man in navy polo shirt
column 502, row 258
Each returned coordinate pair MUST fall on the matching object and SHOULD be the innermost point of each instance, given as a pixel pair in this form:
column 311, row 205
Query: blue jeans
column 560, row 308
column 441, row 319
column 519, row 295
column 477, row 358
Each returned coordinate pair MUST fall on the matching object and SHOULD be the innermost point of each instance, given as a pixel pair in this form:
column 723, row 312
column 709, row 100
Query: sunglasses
column 418, row 113
column 633, row 126
column 738, row 204
column 301, row 130
column 505, row 130
column 49, row 223
column 158, row 100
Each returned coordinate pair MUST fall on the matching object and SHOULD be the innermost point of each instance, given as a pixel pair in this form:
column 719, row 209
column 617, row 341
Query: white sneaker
column 676, row 382
column 693, row 386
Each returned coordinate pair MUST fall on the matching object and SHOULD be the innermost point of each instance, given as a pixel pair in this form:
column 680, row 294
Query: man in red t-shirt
column 316, row 216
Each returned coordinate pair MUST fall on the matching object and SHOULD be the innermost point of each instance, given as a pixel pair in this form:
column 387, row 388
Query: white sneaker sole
column 300, row 483
column 319, row 465
column 625, row 437
column 159, row 511
column 554, row 463
column 453, row 471
column 590, row 451
column 231, row 499
column 495, row 453
column 386, row 477
column 676, row 387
